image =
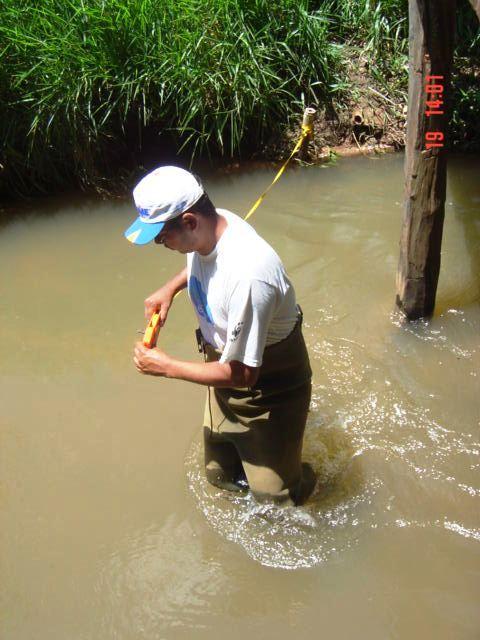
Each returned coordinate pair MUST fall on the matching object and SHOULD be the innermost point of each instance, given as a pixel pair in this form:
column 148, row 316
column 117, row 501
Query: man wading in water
column 256, row 364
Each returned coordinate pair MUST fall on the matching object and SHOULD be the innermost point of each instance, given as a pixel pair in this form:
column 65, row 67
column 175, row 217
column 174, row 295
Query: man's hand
column 150, row 362
column 161, row 301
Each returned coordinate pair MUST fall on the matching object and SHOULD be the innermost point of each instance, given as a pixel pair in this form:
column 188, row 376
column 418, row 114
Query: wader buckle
column 200, row 341
column 299, row 314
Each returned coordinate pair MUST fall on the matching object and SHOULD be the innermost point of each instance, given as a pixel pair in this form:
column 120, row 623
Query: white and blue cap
column 160, row 196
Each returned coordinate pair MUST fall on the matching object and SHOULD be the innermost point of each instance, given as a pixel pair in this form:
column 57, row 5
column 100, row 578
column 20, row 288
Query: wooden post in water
column 431, row 37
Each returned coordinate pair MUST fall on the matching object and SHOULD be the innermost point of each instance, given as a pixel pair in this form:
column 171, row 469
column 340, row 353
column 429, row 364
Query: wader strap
column 202, row 348
column 200, row 341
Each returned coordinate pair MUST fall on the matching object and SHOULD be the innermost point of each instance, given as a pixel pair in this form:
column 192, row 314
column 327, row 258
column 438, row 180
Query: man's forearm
column 178, row 282
column 212, row 374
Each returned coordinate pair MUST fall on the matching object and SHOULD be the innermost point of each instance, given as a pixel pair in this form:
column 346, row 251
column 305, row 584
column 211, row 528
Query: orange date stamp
column 434, row 89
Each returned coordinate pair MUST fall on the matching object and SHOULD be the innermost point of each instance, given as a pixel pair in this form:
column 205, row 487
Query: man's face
column 175, row 235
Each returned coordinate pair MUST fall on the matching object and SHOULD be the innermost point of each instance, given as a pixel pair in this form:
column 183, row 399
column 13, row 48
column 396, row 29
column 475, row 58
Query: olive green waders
column 260, row 429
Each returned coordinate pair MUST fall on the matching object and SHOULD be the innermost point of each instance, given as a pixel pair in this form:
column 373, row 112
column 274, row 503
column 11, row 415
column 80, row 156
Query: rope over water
column 307, row 133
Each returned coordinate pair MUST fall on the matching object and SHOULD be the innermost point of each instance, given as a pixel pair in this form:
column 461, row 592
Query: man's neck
column 214, row 228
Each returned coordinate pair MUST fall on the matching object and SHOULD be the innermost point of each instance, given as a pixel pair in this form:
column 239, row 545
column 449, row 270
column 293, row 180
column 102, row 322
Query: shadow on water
column 67, row 207
column 466, row 195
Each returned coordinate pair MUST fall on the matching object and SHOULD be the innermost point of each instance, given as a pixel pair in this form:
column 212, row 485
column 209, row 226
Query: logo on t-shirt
column 199, row 299
column 236, row 331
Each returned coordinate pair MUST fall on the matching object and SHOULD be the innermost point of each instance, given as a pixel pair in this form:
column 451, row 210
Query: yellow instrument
column 151, row 332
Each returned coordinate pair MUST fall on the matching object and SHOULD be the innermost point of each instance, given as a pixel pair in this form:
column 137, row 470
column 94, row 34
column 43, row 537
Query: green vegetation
column 465, row 122
column 88, row 79
column 90, row 88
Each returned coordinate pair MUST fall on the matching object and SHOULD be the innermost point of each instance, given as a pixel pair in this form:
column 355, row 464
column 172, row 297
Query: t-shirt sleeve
column 250, row 311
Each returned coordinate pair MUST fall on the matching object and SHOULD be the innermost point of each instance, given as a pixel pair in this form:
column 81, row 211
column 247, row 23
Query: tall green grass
column 88, row 88
column 83, row 80
column 379, row 29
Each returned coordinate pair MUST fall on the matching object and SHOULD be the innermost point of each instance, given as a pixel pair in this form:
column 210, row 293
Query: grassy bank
column 91, row 89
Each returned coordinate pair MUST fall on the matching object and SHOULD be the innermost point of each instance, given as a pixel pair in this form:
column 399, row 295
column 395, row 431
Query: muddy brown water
column 108, row 529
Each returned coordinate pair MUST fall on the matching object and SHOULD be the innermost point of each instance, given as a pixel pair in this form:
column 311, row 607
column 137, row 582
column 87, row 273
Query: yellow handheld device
column 151, row 332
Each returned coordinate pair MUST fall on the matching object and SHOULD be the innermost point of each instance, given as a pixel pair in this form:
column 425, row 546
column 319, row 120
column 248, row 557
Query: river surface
column 108, row 529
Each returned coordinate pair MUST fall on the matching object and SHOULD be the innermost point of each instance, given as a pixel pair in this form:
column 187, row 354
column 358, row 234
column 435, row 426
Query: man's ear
column 190, row 220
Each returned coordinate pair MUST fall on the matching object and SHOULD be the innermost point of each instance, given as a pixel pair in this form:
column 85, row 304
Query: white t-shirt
column 242, row 296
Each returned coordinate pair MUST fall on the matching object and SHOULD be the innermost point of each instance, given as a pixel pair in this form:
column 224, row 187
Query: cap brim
column 141, row 232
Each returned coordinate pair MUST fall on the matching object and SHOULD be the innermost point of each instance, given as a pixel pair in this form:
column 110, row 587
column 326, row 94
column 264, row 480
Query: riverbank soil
column 371, row 117
column 366, row 117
